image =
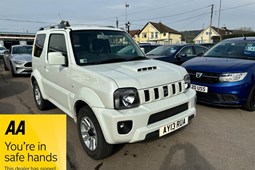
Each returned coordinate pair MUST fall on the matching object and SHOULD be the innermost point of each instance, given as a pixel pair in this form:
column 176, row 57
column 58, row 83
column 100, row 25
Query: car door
column 56, row 77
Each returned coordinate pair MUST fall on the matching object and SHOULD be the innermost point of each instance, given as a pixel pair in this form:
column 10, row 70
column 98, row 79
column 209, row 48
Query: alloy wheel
column 88, row 133
column 37, row 95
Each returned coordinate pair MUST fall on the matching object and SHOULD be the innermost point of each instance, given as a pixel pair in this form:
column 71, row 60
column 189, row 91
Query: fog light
column 124, row 127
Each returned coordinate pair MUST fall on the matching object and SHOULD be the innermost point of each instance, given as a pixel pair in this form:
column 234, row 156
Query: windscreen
column 233, row 50
column 103, row 46
column 22, row 50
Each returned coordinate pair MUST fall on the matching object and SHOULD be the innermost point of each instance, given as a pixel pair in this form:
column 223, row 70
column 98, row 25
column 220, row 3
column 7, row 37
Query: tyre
column 41, row 103
column 5, row 66
column 91, row 136
column 12, row 70
column 250, row 104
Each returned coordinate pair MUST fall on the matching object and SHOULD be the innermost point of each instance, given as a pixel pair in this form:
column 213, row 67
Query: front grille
column 29, row 64
column 210, row 78
column 167, row 113
column 161, row 92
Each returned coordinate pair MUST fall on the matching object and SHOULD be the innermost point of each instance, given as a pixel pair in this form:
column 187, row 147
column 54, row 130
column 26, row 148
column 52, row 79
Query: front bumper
column 225, row 94
column 143, row 123
column 24, row 68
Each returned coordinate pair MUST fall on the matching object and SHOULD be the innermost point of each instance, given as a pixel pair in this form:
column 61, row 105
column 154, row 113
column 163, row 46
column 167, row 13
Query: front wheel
column 5, row 66
column 12, row 70
column 91, row 136
column 250, row 104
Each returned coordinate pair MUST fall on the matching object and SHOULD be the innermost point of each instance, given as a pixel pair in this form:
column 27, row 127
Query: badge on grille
column 198, row 75
column 165, row 90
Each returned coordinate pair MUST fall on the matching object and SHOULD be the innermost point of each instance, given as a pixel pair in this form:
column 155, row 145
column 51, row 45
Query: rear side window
column 39, row 43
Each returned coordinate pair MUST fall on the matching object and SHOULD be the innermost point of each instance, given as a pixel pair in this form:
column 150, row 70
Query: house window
column 156, row 35
column 164, row 34
column 144, row 35
column 152, row 35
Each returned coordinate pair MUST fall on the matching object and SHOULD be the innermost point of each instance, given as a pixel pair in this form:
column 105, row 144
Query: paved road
column 217, row 138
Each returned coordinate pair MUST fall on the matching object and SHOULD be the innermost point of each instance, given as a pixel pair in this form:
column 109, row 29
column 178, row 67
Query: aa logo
column 15, row 131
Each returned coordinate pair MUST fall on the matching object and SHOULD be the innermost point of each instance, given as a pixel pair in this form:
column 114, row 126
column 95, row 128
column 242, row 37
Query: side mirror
column 56, row 58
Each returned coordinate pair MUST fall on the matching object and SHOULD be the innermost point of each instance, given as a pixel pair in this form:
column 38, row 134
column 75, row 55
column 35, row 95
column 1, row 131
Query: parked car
column 2, row 51
column 147, row 47
column 111, row 96
column 225, row 75
column 208, row 45
column 177, row 53
column 129, row 49
column 19, row 59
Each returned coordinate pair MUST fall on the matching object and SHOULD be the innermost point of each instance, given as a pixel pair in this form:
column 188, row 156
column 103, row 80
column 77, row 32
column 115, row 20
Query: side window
column 57, row 43
column 187, row 51
column 39, row 43
column 200, row 50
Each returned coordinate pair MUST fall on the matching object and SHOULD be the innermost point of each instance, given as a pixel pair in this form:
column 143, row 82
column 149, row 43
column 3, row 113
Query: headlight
column 18, row 62
column 232, row 77
column 126, row 98
column 187, row 81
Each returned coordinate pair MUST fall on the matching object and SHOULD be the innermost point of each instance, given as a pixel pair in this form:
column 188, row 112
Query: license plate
column 203, row 89
column 173, row 126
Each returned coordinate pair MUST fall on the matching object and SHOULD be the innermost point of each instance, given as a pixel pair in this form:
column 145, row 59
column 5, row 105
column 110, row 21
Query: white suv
column 115, row 96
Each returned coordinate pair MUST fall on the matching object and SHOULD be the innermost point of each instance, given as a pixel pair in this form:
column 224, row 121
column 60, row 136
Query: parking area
column 217, row 138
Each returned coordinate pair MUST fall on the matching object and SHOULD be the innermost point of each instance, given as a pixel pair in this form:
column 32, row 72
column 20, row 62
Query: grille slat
column 161, row 92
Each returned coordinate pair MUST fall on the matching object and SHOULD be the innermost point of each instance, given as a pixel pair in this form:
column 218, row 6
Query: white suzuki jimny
column 102, row 79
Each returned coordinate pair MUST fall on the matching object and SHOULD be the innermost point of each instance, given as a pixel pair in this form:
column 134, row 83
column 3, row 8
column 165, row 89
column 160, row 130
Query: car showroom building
column 8, row 39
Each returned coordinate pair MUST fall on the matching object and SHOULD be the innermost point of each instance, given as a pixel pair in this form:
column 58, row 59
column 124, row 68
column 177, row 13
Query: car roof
column 183, row 45
column 141, row 45
column 239, row 39
column 77, row 28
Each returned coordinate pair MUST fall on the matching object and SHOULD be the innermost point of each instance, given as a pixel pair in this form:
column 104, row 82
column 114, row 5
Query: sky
column 181, row 15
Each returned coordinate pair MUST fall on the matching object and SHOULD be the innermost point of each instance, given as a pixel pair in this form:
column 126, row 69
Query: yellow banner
column 33, row 142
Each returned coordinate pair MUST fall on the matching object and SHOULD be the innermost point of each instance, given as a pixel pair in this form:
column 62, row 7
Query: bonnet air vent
column 146, row 69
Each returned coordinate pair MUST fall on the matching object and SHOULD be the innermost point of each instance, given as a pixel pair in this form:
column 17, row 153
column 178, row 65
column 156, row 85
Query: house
column 188, row 36
column 216, row 34
column 135, row 35
column 159, row 33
